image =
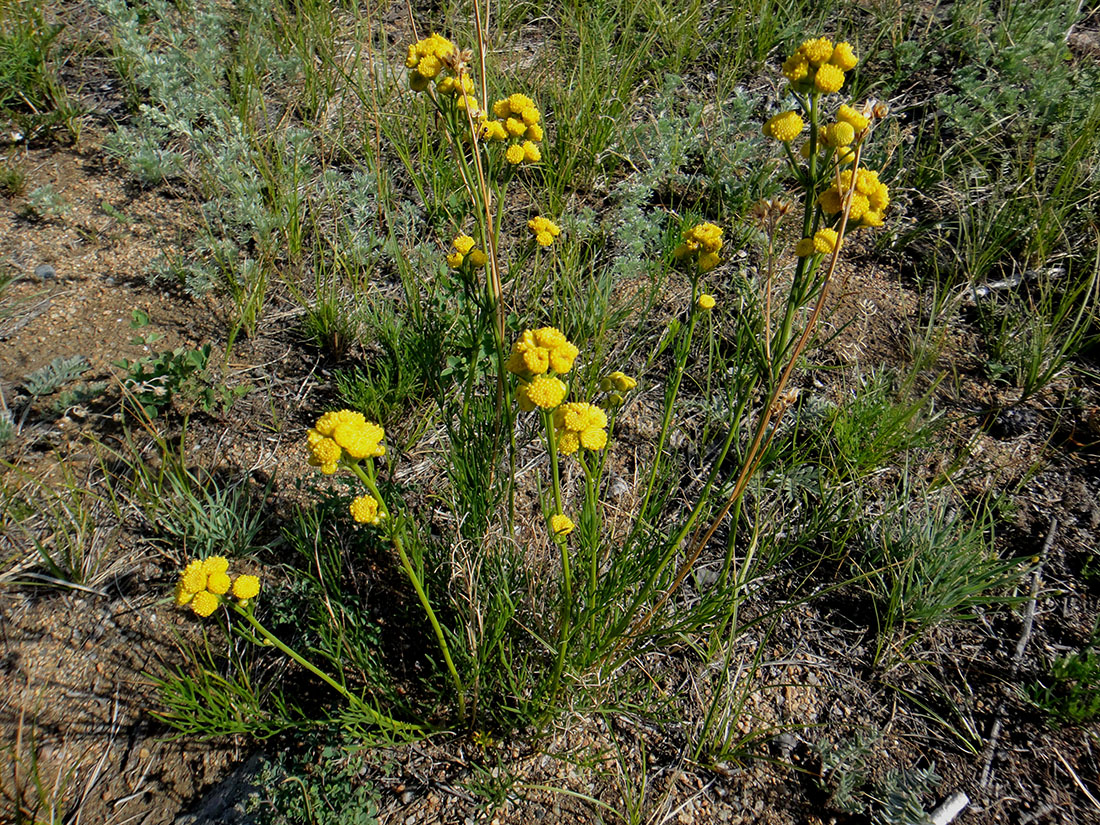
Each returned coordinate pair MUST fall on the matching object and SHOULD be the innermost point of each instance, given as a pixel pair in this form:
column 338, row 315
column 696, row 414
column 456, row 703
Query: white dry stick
column 950, row 809
column 1029, row 623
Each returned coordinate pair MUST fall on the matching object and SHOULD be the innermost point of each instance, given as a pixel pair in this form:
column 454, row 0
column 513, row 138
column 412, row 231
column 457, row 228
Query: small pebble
column 45, row 272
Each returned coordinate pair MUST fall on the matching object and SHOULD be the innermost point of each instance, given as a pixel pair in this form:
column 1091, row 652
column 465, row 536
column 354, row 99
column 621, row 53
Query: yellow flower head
column 796, row 67
column 477, row 258
column 804, row 248
column 852, row 116
column 843, row 57
column 204, row 603
column 705, row 302
column 829, row 201
column 494, row 130
column 561, row 525
column 829, row 78
column 515, row 126
column 817, row 51
column 825, row 241
column 542, row 228
column 360, row 438
column 531, row 152
column 426, row 59
column 214, row 565
column 784, row 127
column 537, row 351
column 580, row 425
column 464, row 243
column 619, row 381
column 840, row 133
column 364, row 510
column 218, row 583
column 514, row 155
column 193, row 578
column 246, row 587
column 534, row 132
column 542, row 391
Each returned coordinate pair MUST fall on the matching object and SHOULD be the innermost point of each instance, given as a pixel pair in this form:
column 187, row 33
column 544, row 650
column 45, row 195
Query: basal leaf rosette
column 343, row 435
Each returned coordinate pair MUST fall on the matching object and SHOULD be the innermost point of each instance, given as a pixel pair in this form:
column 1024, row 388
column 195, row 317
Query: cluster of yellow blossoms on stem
column 869, row 200
column 544, row 230
column 822, row 243
column 204, row 583
column 466, row 253
column 579, row 424
column 426, row 59
column 517, row 122
column 819, row 66
column 538, row 357
column 341, row 434
column 365, row 510
column 703, row 243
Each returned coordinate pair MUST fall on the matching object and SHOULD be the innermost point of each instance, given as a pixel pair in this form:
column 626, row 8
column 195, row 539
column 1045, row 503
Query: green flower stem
column 566, row 570
column 670, row 399
column 367, row 478
column 590, row 511
column 380, row 719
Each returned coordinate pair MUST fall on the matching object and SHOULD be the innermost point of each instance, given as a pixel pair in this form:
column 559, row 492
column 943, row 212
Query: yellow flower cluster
column 784, row 127
column 535, row 354
column 818, row 65
column 204, row 583
column 822, row 243
column 839, row 136
column 580, row 425
column 703, row 241
column 365, row 510
column 539, row 351
column 343, row 432
column 617, row 381
column 465, row 252
column 544, row 230
column 869, row 200
column 461, row 90
column 426, row 60
column 561, row 525
column 518, row 123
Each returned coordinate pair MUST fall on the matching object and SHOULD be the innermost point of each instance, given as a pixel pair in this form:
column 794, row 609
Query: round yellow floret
column 796, row 67
column 829, row 201
column 705, row 302
column 844, row 57
column 829, row 78
column 463, row 243
column 515, row 126
column 477, row 258
column 804, row 248
column 214, row 565
column 494, row 130
column 542, row 228
column 619, row 381
column 364, row 510
column 580, row 425
column 784, row 127
column 193, row 578
column 839, row 134
column 534, row 132
column 531, row 152
column 852, row 116
column 218, row 583
column 204, row 603
column 561, row 525
column 246, row 587
column 360, row 439
column 825, row 241
column 545, row 392
column 817, row 51
column 514, row 154
column 537, row 351
column 454, row 260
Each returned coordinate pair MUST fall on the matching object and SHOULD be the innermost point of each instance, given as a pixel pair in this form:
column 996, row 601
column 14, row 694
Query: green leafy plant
column 151, row 383
column 323, row 787
column 1070, row 690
